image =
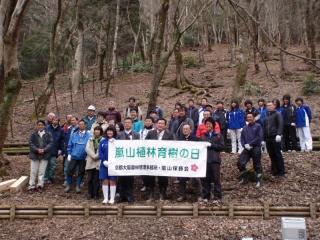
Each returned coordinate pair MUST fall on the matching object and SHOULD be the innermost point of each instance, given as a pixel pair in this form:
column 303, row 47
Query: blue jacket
column 77, row 145
column 252, row 134
column 58, row 140
column 89, row 121
column 103, row 150
column 301, row 112
column 263, row 115
column 137, row 126
column 236, row 119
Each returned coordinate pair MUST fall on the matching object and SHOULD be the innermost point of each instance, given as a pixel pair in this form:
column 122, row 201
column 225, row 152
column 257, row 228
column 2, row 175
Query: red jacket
column 202, row 129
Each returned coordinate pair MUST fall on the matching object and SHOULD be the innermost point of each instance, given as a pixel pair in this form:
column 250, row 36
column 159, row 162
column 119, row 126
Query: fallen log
column 19, row 184
column 4, row 186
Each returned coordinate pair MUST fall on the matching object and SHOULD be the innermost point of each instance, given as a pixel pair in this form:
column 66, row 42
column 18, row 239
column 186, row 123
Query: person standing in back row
column 236, row 121
column 303, row 121
column 272, row 130
column 288, row 111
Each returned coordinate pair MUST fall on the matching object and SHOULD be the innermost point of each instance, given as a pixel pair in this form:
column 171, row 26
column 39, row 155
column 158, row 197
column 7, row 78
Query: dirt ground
column 149, row 228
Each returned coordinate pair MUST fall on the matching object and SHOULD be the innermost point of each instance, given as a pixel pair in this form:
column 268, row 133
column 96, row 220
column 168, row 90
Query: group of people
column 83, row 144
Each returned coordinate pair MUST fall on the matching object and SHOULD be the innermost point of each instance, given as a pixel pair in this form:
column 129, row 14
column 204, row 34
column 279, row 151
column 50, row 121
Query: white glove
column 278, row 138
column 247, row 146
column 69, row 158
column 293, row 124
column 111, row 140
column 105, row 163
column 263, row 143
column 228, row 131
column 59, row 152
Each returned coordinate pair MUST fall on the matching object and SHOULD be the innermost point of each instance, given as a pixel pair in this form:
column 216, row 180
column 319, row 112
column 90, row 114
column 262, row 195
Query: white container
column 293, row 228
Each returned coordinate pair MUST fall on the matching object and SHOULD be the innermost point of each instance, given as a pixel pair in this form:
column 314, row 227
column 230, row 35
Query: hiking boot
column 67, row 188
column 143, row 189
column 31, row 188
column 78, row 189
column 150, row 197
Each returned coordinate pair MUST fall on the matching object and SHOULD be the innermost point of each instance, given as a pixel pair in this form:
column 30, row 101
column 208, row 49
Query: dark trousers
column 212, row 175
column 182, row 187
column 151, row 182
column 277, row 162
column 93, row 182
column 290, row 138
column 224, row 133
column 126, row 188
column 255, row 154
column 72, row 167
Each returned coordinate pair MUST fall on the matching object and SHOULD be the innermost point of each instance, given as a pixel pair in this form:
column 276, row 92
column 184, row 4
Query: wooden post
column 266, row 210
column 93, row 85
column 71, row 94
column 55, row 96
column 11, row 128
column 12, row 212
column 231, row 210
column 86, row 210
column 82, row 83
column 159, row 211
column 34, row 103
column 50, row 211
column 313, row 210
column 195, row 210
column 120, row 211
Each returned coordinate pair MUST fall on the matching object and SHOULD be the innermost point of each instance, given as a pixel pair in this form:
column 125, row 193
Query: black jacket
column 221, row 116
column 217, row 145
column 189, row 138
column 35, row 144
column 153, row 135
column 273, row 125
column 124, row 136
column 288, row 114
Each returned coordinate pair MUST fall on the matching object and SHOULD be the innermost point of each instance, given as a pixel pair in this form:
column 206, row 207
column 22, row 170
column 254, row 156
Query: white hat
column 91, row 108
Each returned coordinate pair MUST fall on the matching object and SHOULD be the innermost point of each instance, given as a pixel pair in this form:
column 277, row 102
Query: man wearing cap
column 91, row 118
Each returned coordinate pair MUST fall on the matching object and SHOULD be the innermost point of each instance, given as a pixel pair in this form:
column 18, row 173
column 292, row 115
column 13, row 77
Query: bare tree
column 11, row 16
column 77, row 73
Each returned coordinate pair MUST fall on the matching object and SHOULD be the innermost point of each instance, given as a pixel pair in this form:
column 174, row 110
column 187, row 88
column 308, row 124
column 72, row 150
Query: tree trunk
column 55, row 48
column 11, row 15
column 284, row 35
column 157, row 71
column 310, row 28
column 78, row 57
column 114, row 49
column 255, row 40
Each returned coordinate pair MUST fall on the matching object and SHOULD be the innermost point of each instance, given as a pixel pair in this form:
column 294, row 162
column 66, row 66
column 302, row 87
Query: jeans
column 37, row 170
column 51, row 168
column 73, row 164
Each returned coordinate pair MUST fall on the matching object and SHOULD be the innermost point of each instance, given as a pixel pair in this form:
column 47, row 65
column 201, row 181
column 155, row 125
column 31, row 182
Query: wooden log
column 86, row 211
column 92, row 208
column 152, row 213
column 30, row 216
column 4, row 216
column 104, row 213
column 290, row 214
column 50, row 211
column 5, row 185
column 66, row 212
column 293, row 208
column 139, row 208
column 248, row 208
column 159, row 211
column 26, row 207
column 177, row 208
column 32, row 212
column 19, row 184
column 68, row 208
column 248, row 213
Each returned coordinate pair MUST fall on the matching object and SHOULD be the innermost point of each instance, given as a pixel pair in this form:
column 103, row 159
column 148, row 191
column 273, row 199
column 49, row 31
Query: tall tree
column 77, row 73
column 11, row 16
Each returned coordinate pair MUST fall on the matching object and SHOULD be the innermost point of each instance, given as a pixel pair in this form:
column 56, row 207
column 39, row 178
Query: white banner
column 157, row 158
